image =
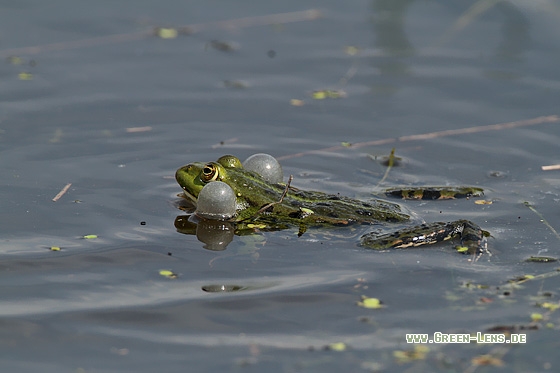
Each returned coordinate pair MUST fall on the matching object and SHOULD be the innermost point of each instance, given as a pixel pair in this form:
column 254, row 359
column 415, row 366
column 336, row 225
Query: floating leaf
column 487, row 360
column 461, row 249
column 482, row 202
column 166, row 33
column 319, row 95
column 327, row 93
column 337, row 346
column 296, row 102
column 351, row 50
column 54, row 248
column 418, row 353
column 371, row 303
column 15, row 60
column 550, row 306
column 25, row 76
column 522, row 279
column 167, row 273
column 89, row 236
column 471, row 285
column 536, row 317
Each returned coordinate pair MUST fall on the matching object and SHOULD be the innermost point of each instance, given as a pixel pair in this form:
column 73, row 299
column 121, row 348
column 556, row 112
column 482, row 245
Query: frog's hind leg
column 434, row 192
column 472, row 236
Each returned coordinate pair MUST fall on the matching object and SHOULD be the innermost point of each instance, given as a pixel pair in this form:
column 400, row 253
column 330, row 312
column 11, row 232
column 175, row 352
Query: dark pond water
column 77, row 78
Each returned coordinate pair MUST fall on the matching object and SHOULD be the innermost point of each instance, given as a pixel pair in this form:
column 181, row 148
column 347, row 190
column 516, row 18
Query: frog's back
column 334, row 206
column 311, row 207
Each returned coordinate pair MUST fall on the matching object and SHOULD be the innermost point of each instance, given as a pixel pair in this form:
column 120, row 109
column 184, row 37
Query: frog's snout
column 179, row 174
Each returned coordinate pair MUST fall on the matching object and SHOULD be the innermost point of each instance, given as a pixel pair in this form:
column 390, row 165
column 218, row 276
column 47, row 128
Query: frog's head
column 194, row 176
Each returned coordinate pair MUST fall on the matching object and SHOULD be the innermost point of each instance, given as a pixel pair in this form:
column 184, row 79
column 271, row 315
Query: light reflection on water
column 110, row 281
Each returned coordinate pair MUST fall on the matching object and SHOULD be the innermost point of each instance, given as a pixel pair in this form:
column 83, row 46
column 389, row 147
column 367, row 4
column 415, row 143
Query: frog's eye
column 209, row 173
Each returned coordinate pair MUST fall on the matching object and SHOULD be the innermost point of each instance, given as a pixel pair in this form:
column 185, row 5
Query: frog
column 273, row 206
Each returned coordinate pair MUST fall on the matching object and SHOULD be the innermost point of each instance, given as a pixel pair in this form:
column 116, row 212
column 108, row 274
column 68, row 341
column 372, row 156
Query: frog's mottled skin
column 308, row 208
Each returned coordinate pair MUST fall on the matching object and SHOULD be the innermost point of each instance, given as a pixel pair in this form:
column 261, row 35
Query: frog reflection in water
column 272, row 206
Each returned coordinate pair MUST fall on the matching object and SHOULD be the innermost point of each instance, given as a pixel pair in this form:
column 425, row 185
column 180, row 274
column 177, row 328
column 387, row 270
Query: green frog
column 272, row 206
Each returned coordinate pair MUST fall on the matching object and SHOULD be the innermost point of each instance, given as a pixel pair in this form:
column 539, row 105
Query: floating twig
column 390, row 164
column 62, row 191
column 269, row 205
column 551, row 167
column 138, row 129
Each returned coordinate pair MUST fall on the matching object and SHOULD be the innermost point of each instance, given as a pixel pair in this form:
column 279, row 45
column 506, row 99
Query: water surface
column 100, row 305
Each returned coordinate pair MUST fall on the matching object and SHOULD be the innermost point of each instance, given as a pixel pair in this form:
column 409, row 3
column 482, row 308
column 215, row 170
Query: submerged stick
column 543, row 220
column 432, row 135
column 270, row 19
column 477, row 9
